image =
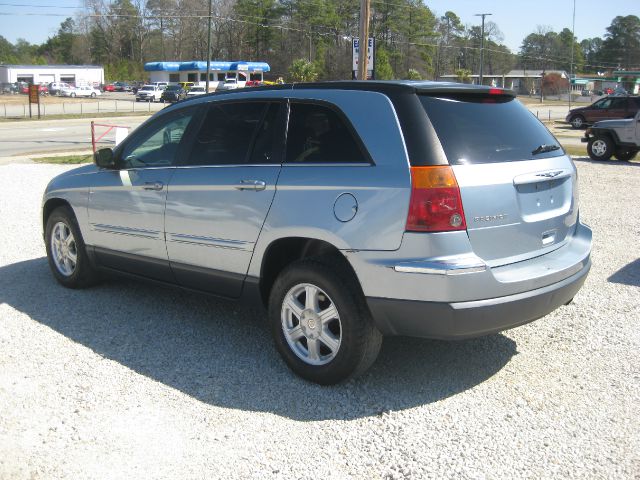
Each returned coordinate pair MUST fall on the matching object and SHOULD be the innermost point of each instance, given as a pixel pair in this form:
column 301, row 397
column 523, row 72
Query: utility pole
column 482, row 44
column 208, row 49
column 365, row 9
column 573, row 36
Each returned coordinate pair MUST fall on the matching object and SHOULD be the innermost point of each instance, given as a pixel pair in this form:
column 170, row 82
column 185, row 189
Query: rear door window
column 487, row 129
column 318, row 134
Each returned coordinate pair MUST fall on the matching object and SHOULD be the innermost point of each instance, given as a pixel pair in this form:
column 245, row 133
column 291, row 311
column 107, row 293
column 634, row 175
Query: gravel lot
column 128, row 380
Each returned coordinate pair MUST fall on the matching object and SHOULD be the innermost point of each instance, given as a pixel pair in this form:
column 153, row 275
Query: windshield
column 197, row 89
column 488, row 129
column 148, row 89
column 174, row 87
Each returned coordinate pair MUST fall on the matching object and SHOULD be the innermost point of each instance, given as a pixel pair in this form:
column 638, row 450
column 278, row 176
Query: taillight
column 436, row 205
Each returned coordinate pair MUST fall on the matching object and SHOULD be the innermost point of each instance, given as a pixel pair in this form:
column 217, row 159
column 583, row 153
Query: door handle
column 256, row 185
column 153, row 185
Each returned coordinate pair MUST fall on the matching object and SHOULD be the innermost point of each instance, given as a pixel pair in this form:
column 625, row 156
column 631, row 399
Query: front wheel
column 600, row 148
column 577, row 121
column 66, row 252
column 73, row 95
column 320, row 322
column 625, row 155
column 93, row 95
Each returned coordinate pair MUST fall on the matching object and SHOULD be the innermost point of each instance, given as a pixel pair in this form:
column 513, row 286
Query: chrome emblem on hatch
column 490, row 218
column 549, row 174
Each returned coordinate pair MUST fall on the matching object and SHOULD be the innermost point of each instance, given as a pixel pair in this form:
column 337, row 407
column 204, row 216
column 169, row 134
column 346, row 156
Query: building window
column 192, row 77
column 221, row 77
column 174, row 77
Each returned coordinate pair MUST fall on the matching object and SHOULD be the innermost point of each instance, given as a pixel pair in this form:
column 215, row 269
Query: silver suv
column 351, row 210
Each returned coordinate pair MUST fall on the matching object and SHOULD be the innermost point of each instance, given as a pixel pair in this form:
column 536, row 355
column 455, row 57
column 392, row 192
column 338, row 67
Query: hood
column 622, row 122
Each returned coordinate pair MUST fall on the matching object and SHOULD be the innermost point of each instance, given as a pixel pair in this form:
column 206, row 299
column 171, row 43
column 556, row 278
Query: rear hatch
column 516, row 183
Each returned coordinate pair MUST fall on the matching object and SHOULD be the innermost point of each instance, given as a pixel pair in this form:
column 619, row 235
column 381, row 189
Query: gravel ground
column 128, row 380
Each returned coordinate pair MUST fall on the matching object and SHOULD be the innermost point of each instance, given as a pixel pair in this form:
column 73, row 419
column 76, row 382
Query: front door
column 219, row 197
column 126, row 205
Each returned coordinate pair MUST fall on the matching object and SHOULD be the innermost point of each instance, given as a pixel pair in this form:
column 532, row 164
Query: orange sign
column 34, row 94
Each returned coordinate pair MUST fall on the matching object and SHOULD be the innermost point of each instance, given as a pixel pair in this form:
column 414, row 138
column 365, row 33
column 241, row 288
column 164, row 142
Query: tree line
column 411, row 41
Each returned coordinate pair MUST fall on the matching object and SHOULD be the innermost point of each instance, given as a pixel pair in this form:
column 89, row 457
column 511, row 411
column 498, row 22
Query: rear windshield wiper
column 544, row 149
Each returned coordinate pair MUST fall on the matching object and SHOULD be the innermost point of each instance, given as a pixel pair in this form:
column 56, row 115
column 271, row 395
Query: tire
column 625, row 155
column 73, row 95
column 93, row 95
column 600, row 148
column 352, row 341
column 577, row 121
column 62, row 225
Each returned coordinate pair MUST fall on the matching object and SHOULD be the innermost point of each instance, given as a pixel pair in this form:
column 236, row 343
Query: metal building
column 37, row 74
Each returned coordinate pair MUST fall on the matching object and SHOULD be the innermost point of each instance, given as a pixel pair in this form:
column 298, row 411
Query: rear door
column 516, row 183
column 220, row 195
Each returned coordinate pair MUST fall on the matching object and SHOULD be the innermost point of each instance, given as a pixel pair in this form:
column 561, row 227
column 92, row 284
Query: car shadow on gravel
column 221, row 352
column 627, row 275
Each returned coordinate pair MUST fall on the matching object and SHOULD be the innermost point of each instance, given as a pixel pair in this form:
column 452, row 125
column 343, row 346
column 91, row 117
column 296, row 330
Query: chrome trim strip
column 443, row 266
column 210, row 242
column 136, row 232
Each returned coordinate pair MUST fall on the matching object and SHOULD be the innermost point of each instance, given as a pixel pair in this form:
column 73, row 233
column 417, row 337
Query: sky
column 515, row 18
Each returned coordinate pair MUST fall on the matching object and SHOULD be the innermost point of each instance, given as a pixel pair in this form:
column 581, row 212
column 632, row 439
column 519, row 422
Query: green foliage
column 302, row 70
column 124, row 70
column 383, row 68
column 414, row 74
column 463, row 75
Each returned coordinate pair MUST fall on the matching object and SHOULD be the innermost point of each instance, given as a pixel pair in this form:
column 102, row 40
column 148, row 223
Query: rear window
column 487, row 129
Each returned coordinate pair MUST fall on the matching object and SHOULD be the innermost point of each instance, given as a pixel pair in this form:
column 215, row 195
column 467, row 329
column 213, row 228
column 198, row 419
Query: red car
column 109, row 88
column 42, row 89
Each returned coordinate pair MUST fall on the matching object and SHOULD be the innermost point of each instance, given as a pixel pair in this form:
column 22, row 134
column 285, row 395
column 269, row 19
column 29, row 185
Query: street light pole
column 482, row 45
column 208, row 48
column 573, row 36
column 365, row 8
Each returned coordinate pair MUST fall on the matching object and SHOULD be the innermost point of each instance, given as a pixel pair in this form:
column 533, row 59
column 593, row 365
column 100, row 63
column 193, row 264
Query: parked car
column 195, row 91
column 7, row 88
column 56, row 87
column 351, row 210
column 173, row 93
column 229, row 84
column 109, row 87
column 610, row 107
column 614, row 137
column 24, row 88
column 149, row 93
column 586, row 93
column 80, row 91
column 122, row 87
column 186, row 85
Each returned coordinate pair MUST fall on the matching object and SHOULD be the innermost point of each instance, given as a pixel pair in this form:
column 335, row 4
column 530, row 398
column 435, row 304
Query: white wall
column 45, row 75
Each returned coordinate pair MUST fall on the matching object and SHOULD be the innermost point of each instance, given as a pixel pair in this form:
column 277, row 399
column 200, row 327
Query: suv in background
column 173, row 93
column 610, row 107
column 614, row 137
column 350, row 210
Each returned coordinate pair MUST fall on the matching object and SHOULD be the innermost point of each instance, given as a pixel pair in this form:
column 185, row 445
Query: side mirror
column 104, row 158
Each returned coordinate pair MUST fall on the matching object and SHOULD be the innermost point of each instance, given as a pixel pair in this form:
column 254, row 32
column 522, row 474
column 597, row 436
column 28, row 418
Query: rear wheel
column 625, row 155
column 600, row 148
column 93, row 95
column 73, row 95
column 577, row 121
column 66, row 252
column 320, row 322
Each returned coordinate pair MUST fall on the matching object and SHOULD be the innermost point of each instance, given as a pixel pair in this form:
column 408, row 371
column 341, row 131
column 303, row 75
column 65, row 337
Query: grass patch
column 77, row 115
column 576, row 151
column 65, row 159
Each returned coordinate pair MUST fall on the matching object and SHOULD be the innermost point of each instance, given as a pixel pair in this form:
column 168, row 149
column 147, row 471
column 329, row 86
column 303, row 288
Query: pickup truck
column 614, row 137
column 149, row 93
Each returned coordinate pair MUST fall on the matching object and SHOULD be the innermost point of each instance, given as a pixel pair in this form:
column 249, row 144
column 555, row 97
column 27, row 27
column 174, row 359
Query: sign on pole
column 355, row 54
column 34, row 97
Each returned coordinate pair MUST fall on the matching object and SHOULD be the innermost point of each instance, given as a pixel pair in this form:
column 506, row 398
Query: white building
column 37, row 74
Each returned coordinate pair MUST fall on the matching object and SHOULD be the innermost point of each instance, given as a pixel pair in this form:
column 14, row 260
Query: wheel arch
column 49, row 206
column 283, row 251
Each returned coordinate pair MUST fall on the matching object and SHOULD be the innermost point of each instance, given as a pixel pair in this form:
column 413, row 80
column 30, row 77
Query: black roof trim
column 382, row 86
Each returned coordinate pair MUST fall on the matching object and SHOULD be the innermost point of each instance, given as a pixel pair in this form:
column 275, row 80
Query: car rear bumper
column 459, row 320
